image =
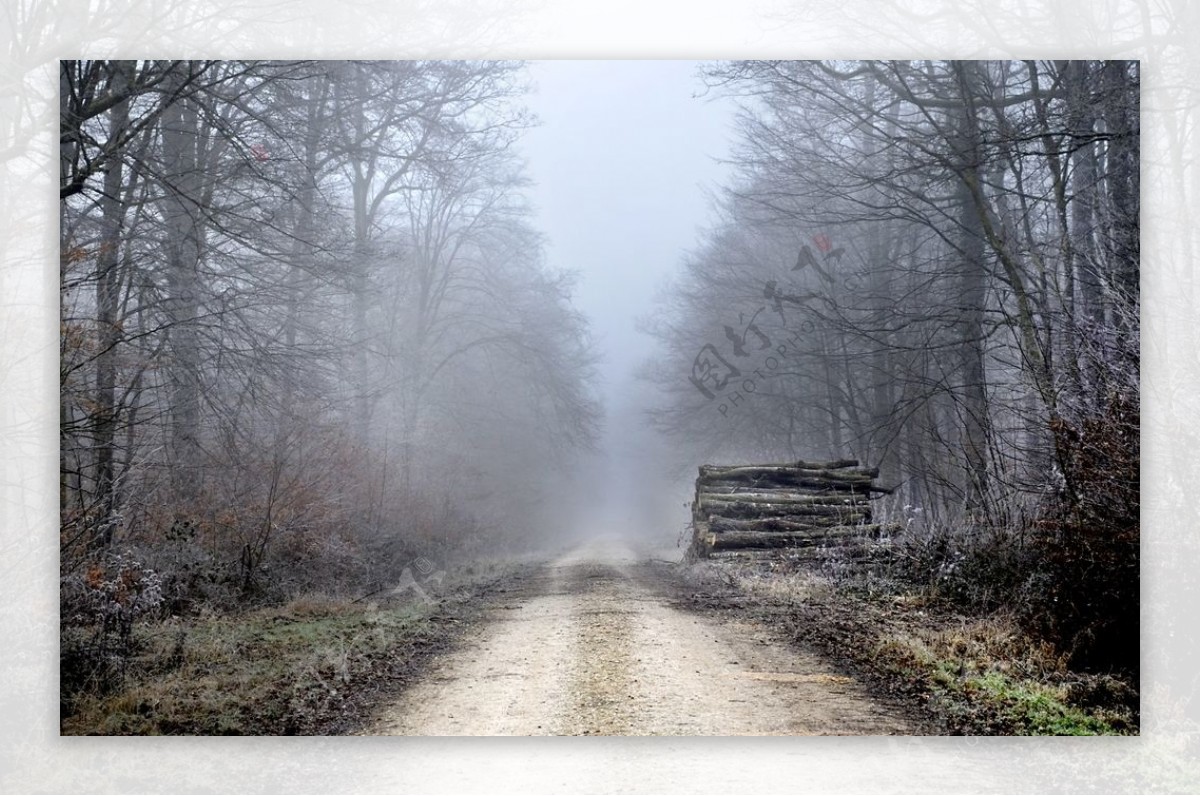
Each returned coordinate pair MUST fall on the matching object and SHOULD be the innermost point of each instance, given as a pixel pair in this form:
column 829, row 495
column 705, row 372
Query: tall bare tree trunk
column 971, row 293
column 108, row 332
column 183, row 221
column 303, row 246
column 1085, row 263
column 884, row 449
column 363, row 171
column 68, row 484
column 1120, row 119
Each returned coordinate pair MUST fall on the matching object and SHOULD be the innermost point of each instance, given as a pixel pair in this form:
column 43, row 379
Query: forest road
column 594, row 646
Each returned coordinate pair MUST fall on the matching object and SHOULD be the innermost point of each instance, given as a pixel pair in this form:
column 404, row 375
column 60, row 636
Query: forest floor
column 599, row 643
column 964, row 674
column 605, row 640
column 313, row 666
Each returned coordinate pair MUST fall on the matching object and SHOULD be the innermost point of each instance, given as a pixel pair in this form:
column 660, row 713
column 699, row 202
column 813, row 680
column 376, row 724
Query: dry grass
column 971, row 674
column 312, row 666
column 786, row 588
column 266, row 672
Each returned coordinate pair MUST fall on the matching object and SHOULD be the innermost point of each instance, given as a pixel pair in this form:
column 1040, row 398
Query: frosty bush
column 101, row 602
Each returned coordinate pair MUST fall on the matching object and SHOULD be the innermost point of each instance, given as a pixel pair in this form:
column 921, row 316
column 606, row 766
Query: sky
column 624, row 161
column 620, row 163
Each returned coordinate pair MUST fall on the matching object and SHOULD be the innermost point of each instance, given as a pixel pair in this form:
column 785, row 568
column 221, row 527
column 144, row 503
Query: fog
column 624, row 163
column 320, row 319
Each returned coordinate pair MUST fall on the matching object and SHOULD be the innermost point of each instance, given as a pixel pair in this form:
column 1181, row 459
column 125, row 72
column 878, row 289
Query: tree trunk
column 1124, row 249
column 971, row 294
column 108, row 283
column 844, row 470
column 798, row 499
column 883, row 445
column 183, row 222
column 781, row 511
column 831, row 526
column 735, row 540
column 1084, row 262
column 303, row 246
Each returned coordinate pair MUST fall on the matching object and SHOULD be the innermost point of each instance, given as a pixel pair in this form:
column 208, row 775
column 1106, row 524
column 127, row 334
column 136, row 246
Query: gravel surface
column 593, row 644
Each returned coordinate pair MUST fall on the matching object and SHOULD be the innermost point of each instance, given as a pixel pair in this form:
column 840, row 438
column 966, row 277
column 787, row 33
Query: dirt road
column 595, row 647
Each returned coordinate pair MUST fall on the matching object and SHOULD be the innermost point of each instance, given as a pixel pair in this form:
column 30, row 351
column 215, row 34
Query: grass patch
column 973, row 675
column 313, row 666
column 985, row 676
column 1038, row 708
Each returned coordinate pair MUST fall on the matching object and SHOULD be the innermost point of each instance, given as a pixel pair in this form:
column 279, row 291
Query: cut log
column 831, row 537
column 779, row 525
column 736, row 540
column 754, row 511
column 769, row 473
column 714, row 504
column 798, row 483
column 783, row 495
column 839, row 464
column 854, row 552
column 808, row 556
column 834, row 465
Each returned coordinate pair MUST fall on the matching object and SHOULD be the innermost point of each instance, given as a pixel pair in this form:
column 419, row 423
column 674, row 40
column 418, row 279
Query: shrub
column 100, row 603
column 1072, row 575
column 1089, row 540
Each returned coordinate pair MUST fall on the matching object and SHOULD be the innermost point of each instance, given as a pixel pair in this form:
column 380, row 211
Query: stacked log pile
column 800, row 505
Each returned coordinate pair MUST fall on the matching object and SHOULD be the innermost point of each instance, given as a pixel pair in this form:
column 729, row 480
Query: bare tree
column 234, row 234
column 945, row 245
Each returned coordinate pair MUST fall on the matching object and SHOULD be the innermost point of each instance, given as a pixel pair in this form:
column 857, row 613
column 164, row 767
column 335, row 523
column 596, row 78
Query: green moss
column 975, row 693
column 1035, row 708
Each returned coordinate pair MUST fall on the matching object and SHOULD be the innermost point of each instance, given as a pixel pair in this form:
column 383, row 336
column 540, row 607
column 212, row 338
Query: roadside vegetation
column 302, row 305
column 966, row 672
column 933, row 268
column 314, row 665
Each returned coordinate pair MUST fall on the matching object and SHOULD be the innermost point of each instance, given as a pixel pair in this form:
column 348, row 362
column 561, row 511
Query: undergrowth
column 310, row 666
column 976, row 675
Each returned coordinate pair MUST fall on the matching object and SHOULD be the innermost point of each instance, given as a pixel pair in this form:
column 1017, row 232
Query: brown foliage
column 1089, row 539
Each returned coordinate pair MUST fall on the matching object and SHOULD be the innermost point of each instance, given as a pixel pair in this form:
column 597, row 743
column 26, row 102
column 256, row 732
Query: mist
column 375, row 350
column 323, row 318
column 320, row 319
column 625, row 162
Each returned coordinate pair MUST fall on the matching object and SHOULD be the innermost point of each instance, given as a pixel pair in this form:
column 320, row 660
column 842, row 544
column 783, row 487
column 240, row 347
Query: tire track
column 596, row 648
